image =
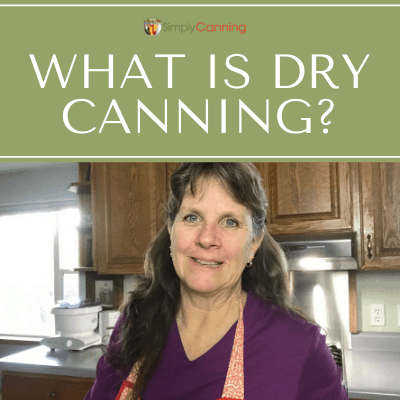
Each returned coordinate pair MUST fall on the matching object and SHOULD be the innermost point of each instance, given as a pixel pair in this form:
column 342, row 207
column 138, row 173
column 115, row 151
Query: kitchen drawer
column 21, row 386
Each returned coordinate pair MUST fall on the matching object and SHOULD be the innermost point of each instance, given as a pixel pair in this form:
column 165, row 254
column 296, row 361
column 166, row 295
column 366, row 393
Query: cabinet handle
column 53, row 395
column 369, row 246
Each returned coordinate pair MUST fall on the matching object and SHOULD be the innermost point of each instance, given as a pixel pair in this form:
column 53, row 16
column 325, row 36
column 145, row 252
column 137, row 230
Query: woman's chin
column 202, row 287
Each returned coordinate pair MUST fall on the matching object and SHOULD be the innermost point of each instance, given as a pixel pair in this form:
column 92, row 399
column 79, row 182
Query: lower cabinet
column 20, row 385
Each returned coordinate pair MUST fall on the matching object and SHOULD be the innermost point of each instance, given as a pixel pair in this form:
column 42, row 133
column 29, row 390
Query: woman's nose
column 208, row 236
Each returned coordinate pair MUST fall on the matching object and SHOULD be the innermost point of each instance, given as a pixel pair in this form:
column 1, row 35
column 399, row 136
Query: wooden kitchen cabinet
column 308, row 197
column 128, row 202
column 19, row 385
column 380, row 215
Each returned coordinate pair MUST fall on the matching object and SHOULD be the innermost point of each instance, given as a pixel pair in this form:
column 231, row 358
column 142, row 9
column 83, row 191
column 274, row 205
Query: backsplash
column 129, row 285
column 381, row 287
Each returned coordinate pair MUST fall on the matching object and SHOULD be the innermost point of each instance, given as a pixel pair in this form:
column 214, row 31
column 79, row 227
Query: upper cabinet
column 128, row 205
column 308, row 197
column 380, row 214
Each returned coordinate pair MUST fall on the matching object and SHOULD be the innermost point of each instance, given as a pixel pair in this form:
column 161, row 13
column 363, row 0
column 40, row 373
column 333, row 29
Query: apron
column 234, row 381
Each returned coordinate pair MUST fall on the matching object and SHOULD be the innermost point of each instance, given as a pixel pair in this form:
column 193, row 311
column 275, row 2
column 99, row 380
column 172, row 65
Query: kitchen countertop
column 371, row 374
column 43, row 360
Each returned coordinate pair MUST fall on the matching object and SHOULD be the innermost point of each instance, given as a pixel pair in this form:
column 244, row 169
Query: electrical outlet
column 377, row 314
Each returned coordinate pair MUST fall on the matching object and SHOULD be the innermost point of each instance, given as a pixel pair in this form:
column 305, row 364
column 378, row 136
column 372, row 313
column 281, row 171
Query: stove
column 337, row 354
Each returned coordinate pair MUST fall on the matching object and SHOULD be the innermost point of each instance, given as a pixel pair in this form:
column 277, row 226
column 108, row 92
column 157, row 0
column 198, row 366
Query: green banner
column 179, row 82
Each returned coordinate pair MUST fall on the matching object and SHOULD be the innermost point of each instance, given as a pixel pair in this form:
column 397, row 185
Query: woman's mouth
column 207, row 263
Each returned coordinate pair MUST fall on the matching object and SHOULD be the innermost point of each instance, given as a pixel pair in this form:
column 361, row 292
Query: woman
column 211, row 317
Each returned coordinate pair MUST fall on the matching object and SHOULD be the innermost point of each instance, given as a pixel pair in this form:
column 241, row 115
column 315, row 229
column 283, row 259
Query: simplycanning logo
column 203, row 27
column 152, row 26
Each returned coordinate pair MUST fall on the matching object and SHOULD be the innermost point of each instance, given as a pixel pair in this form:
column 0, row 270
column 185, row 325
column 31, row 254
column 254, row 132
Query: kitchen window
column 38, row 255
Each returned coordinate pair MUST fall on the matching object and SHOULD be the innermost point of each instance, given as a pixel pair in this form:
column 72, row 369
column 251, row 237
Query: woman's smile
column 203, row 262
column 211, row 263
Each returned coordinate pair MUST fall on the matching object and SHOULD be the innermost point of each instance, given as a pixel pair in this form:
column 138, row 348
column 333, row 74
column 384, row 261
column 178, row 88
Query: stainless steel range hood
column 319, row 267
column 319, row 254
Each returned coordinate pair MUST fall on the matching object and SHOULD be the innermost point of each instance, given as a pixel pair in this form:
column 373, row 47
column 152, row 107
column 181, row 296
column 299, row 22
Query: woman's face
column 211, row 240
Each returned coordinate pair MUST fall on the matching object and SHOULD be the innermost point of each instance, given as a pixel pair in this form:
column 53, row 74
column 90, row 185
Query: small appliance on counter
column 107, row 321
column 75, row 322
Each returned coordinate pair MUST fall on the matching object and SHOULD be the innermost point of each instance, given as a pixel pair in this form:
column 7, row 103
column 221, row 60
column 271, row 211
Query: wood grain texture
column 380, row 210
column 357, row 243
column 128, row 209
column 17, row 386
column 353, row 301
column 304, row 188
column 308, row 197
column 389, row 199
column 356, row 210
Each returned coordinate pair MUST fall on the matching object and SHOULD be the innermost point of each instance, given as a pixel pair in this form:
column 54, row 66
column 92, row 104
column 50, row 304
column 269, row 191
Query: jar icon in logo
column 152, row 26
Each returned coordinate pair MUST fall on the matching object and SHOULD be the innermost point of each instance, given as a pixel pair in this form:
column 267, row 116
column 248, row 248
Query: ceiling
column 23, row 166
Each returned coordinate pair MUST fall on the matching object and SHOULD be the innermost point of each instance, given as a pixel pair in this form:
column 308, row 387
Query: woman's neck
column 207, row 310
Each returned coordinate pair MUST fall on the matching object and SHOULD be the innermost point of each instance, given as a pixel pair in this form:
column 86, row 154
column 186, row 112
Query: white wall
column 378, row 287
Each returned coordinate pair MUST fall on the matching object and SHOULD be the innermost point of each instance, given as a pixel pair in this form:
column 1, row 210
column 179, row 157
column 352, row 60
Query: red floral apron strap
column 234, row 382
column 127, row 385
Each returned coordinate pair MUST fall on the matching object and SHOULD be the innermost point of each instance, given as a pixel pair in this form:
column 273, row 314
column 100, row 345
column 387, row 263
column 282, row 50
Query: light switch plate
column 377, row 312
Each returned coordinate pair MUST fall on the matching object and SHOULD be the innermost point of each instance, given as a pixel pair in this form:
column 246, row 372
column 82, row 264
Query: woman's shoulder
column 279, row 322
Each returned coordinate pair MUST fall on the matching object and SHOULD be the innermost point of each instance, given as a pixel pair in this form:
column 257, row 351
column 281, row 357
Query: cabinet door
column 19, row 386
column 307, row 197
column 380, row 202
column 128, row 209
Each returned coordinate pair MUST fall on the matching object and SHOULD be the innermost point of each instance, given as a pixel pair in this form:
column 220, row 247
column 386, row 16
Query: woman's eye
column 231, row 222
column 191, row 218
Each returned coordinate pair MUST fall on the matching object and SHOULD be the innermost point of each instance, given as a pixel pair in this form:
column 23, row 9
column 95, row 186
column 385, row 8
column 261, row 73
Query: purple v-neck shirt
column 284, row 359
